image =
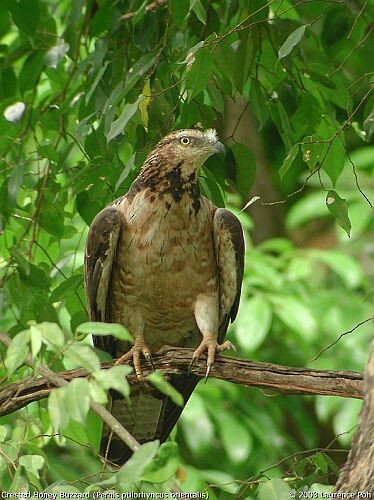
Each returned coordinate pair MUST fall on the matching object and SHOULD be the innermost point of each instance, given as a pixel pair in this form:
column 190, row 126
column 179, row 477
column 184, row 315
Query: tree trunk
column 240, row 126
column 357, row 475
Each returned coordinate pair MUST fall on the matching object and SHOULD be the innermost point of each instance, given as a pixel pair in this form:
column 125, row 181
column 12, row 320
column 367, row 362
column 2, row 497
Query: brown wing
column 99, row 259
column 229, row 248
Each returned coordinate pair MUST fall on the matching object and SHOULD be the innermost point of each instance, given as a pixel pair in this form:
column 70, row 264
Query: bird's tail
column 147, row 415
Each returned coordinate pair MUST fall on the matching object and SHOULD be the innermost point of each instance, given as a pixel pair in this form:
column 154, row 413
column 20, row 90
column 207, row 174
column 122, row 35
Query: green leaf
column 97, row 393
column 58, row 411
column 36, row 340
column 225, row 481
column 282, row 122
column 118, row 126
column 223, row 55
column 164, row 466
column 63, row 487
column 288, row 161
column 254, row 321
column 333, row 162
column 83, row 356
column 52, row 334
column 179, row 11
column 295, row 314
column 292, row 40
column 275, row 489
column 30, row 72
column 345, row 266
column 216, row 98
column 307, row 116
column 141, row 66
column 51, row 220
column 49, row 152
column 25, row 13
column 245, row 168
column 134, row 468
column 145, row 100
column 96, row 82
column 77, row 399
column 115, row 378
column 129, row 167
column 15, row 181
column 245, row 54
column 69, row 285
column 32, row 463
column 321, row 488
column 83, row 127
column 369, row 125
column 103, row 329
column 313, row 148
column 3, row 433
column 157, row 379
column 339, row 209
column 198, row 10
column 22, row 263
column 199, row 73
column 258, row 103
column 19, row 484
column 306, row 209
column 17, row 351
column 236, row 439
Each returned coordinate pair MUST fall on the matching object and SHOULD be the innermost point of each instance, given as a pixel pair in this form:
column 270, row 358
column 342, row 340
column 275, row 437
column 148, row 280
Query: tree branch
column 172, row 360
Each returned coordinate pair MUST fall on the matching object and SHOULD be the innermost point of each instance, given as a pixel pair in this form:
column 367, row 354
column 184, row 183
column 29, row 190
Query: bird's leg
column 209, row 345
column 206, row 315
column 137, row 350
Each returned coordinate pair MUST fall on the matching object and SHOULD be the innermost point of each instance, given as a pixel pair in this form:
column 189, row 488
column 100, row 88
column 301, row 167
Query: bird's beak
column 219, row 147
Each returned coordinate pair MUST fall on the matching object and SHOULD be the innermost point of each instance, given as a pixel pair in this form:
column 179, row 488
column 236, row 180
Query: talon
column 135, row 354
column 226, row 346
column 194, row 358
column 126, row 357
column 211, row 346
column 148, row 357
column 208, row 367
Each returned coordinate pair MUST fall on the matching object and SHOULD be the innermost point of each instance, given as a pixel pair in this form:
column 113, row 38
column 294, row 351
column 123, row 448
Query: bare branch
column 340, row 337
column 172, row 360
column 151, row 7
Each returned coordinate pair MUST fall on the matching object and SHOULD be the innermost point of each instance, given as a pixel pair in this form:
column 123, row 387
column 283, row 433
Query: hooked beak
column 219, row 147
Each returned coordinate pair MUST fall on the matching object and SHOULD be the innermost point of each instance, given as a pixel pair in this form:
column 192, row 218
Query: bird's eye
column 184, row 141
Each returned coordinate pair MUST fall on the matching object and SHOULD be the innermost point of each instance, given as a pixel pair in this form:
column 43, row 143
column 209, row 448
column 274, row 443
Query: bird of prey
column 168, row 265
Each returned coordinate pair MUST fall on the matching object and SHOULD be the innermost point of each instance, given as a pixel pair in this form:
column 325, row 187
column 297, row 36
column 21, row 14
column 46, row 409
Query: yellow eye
column 184, row 141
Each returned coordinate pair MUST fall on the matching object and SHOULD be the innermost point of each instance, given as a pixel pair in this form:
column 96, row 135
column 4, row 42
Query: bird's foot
column 211, row 346
column 135, row 354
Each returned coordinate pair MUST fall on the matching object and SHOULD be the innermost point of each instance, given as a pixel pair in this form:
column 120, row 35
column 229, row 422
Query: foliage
column 85, row 92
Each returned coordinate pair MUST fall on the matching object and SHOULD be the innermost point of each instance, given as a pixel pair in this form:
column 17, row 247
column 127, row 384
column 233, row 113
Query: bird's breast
column 165, row 259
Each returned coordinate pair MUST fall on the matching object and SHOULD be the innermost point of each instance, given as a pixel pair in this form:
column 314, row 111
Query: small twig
column 357, row 18
column 356, row 179
column 151, row 7
column 340, row 336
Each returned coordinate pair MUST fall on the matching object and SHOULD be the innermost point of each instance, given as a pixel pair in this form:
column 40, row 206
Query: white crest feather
column 211, row 135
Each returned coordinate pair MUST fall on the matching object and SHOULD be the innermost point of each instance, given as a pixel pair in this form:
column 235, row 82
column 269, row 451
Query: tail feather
column 147, row 415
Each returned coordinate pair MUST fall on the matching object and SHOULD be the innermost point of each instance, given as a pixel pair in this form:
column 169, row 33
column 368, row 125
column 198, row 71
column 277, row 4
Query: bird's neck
column 175, row 185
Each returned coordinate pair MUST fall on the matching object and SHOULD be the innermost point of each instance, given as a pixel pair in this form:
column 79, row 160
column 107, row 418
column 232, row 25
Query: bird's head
column 188, row 147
